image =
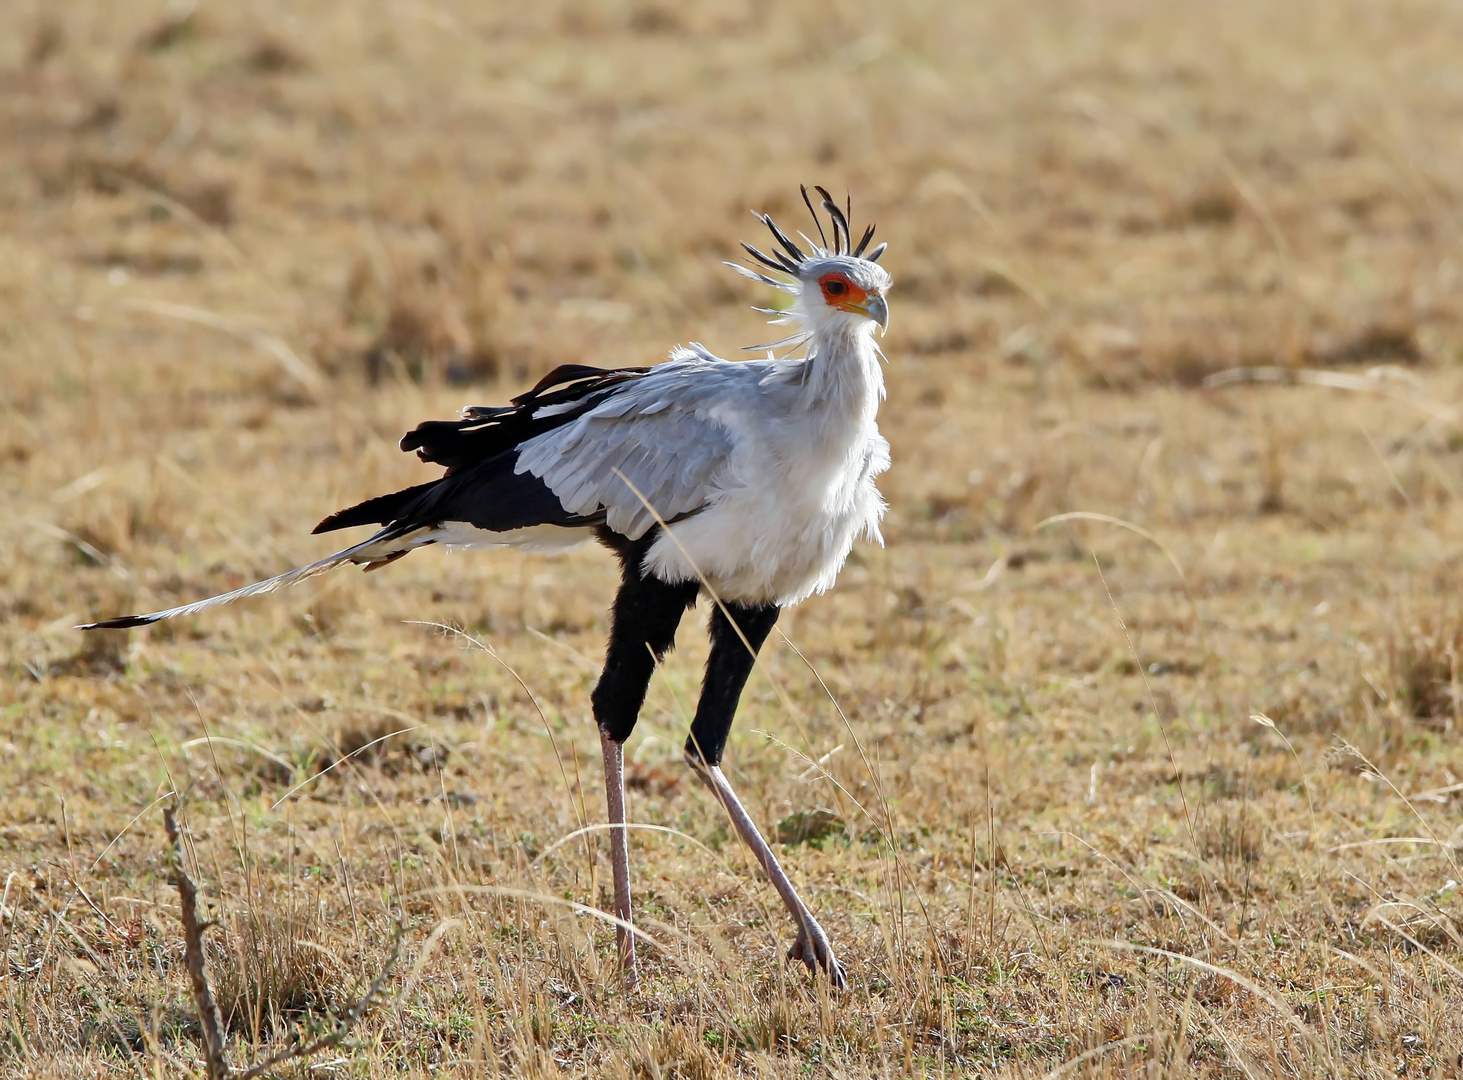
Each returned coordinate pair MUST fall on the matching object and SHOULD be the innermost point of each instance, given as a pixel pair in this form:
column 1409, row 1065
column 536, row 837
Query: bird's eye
column 836, row 288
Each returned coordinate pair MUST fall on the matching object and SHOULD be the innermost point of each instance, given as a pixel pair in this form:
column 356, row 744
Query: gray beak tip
column 878, row 310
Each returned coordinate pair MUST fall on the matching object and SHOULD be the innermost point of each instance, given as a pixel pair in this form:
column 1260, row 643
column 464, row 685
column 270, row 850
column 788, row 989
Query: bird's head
column 837, row 285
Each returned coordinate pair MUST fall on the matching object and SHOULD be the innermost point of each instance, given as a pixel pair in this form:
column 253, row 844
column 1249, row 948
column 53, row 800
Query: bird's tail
column 386, row 546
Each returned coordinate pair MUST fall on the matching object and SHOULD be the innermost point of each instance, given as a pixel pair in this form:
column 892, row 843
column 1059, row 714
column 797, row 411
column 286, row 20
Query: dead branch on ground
column 214, row 1038
column 193, row 928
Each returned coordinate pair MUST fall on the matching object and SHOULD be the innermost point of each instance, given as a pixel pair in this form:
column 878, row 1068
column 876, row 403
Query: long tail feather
column 386, row 545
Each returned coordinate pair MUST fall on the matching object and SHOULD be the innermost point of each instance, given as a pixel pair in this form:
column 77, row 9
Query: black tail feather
column 126, row 622
column 382, row 510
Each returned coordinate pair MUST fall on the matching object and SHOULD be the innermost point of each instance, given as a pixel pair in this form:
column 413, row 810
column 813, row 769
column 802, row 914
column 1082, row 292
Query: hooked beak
column 877, row 309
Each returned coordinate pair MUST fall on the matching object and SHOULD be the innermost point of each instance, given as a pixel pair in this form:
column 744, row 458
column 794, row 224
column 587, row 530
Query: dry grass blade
column 1383, row 381
column 482, row 646
column 268, row 755
column 1073, row 1064
column 542, row 898
column 342, row 760
column 1448, row 849
column 1282, row 1010
column 1138, row 530
column 291, row 361
column 638, row 827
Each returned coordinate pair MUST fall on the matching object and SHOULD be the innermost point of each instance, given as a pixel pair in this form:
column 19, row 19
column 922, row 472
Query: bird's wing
column 480, row 451
column 586, row 447
column 656, row 448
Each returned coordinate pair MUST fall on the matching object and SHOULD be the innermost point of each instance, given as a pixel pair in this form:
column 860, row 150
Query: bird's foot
column 629, row 974
column 629, row 970
column 812, row 949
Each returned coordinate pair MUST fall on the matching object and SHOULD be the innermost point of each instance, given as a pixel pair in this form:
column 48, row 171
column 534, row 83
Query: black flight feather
column 480, row 452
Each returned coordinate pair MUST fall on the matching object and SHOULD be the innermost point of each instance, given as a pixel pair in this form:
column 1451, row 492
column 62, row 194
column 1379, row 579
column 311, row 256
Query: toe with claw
column 814, row 951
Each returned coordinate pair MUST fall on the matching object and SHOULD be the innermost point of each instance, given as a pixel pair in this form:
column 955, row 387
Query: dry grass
column 243, row 247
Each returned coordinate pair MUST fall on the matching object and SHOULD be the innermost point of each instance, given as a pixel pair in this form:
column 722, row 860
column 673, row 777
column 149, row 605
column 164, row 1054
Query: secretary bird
column 747, row 480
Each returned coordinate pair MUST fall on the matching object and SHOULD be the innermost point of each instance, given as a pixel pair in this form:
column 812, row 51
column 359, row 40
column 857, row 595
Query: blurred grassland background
column 243, row 247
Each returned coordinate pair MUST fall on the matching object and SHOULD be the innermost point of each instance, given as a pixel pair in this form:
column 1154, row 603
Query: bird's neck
column 842, row 373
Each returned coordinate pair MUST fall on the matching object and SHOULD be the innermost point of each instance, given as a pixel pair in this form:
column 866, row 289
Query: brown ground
column 242, row 250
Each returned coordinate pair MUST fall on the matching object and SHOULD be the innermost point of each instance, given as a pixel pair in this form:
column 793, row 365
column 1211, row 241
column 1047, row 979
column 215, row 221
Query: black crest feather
column 787, row 257
column 841, row 244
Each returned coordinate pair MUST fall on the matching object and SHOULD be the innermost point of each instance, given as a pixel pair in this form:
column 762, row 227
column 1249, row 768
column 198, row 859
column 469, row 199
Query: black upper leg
column 642, row 630
column 727, row 670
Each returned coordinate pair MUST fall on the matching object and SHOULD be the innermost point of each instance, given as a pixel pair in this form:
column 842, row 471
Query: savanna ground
column 244, row 247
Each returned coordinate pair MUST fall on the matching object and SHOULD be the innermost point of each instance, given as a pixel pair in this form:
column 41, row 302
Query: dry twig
column 193, row 927
column 218, row 1067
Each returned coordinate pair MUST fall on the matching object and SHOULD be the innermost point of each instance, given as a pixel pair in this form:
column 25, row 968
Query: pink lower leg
column 614, row 762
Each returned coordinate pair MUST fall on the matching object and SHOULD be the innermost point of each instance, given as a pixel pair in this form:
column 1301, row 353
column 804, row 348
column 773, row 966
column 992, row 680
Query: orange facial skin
column 840, row 293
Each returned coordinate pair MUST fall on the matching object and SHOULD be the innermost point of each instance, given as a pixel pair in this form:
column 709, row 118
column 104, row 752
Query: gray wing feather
column 661, row 436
